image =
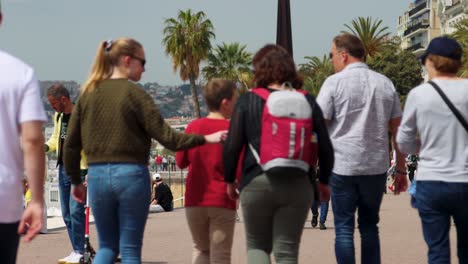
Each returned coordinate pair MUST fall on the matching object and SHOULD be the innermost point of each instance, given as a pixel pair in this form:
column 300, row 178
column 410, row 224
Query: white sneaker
column 74, row 258
column 65, row 259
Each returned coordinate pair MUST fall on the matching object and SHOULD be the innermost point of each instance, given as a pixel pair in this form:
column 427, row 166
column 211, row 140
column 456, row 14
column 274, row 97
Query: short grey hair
column 57, row 91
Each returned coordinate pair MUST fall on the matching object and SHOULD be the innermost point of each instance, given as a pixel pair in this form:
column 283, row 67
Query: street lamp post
column 283, row 27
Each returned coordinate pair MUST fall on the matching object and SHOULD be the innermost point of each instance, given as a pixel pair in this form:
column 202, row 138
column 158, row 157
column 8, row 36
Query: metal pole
column 283, row 27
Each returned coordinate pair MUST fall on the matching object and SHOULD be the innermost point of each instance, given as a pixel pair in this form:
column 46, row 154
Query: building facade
column 451, row 12
column 419, row 25
column 427, row 19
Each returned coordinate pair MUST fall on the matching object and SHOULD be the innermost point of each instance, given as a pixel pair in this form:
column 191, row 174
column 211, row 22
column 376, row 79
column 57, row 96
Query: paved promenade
column 167, row 239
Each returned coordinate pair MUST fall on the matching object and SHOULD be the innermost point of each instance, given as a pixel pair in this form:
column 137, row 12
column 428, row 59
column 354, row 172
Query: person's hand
column 216, row 137
column 79, row 193
column 85, row 183
column 232, row 191
column 324, row 191
column 31, row 222
column 400, row 183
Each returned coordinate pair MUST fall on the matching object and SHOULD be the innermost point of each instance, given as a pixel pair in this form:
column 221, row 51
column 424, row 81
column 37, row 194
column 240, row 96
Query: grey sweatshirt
column 430, row 126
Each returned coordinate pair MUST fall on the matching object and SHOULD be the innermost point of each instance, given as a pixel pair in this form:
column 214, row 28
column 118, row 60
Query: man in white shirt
column 360, row 107
column 21, row 118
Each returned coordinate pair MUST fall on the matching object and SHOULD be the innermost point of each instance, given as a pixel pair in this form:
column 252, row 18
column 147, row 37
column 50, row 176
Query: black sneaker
column 322, row 226
column 314, row 221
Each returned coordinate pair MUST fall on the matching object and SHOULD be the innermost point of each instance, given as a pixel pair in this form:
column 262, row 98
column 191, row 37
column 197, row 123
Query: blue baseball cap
column 444, row 47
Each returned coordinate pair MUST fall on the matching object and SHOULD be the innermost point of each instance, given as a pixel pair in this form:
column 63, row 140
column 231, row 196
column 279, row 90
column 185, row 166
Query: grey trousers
column 275, row 209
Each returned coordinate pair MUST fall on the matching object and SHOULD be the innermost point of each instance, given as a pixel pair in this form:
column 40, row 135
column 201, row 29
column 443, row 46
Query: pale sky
column 59, row 38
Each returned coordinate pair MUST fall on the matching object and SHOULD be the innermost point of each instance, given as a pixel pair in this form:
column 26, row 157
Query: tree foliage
column 372, row 35
column 461, row 35
column 402, row 67
column 315, row 71
column 187, row 39
column 229, row 61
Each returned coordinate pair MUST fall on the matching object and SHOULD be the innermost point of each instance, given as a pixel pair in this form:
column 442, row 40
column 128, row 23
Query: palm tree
column 315, row 72
column 373, row 37
column 461, row 35
column 228, row 61
column 187, row 40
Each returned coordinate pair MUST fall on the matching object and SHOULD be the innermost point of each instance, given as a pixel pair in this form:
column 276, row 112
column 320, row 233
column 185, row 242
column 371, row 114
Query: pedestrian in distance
column 114, row 121
column 73, row 212
column 319, row 202
column 275, row 187
column 432, row 129
column 163, row 200
column 360, row 106
column 21, row 118
column 210, row 213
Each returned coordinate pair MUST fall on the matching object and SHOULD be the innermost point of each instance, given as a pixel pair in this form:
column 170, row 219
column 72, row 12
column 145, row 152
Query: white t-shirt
column 19, row 102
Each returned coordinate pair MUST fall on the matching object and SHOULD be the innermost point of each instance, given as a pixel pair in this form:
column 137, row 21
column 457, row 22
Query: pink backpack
column 286, row 139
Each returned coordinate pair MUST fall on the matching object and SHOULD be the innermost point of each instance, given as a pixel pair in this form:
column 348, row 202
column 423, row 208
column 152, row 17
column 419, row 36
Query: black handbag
column 450, row 105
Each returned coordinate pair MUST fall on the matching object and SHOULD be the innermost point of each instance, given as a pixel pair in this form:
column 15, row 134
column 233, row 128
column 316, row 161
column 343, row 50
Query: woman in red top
column 210, row 213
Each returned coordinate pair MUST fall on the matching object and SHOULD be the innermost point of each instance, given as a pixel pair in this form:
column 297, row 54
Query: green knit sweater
column 115, row 123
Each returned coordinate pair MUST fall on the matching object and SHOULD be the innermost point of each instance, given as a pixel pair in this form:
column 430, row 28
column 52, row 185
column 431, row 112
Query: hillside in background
column 172, row 100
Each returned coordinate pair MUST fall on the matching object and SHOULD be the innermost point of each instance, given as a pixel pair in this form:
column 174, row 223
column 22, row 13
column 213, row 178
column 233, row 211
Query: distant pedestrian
column 165, row 163
column 114, row 121
column 430, row 128
column 319, row 202
column 73, row 213
column 159, row 162
column 211, row 214
column 360, row 107
column 21, row 117
column 275, row 203
column 172, row 163
column 163, row 200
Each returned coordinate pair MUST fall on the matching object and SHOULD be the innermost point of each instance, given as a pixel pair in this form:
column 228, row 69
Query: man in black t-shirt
column 72, row 211
column 163, row 199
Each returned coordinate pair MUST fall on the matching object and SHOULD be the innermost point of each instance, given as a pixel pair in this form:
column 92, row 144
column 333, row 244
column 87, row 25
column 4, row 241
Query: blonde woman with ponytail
column 114, row 121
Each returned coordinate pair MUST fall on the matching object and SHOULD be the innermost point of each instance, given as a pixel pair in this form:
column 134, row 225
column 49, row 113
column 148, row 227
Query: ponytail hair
column 107, row 57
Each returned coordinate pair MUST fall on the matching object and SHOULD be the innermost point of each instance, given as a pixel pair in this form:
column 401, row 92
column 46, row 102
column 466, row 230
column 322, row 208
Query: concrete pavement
column 167, row 239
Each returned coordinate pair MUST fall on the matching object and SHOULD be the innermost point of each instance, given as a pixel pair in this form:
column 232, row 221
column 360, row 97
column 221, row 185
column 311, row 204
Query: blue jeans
column 72, row 212
column 363, row 193
column 119, row 196
column 437, row 202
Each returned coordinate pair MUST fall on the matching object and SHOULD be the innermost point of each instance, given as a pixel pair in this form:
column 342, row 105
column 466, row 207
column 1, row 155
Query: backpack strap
column 302, row 91
column 262, row 92
column 58, row 116
column 255, row 154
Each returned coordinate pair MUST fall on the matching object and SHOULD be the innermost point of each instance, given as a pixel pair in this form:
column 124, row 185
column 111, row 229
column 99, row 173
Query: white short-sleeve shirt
column 19, row 102
column 359, row 103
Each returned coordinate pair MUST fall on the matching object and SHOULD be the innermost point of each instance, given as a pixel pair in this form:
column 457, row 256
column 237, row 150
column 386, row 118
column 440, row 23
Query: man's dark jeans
column 437, row 202
column 363, row 193
column 9, row 240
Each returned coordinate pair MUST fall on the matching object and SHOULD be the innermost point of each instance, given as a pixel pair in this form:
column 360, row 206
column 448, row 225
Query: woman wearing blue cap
column 432, row 127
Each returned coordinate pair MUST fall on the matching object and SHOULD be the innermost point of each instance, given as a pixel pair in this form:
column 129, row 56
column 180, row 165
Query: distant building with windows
column 419, row 25
column 451, row 12
column 427, row 19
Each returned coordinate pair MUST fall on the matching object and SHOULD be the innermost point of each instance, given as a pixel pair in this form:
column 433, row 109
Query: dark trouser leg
column 9, row 241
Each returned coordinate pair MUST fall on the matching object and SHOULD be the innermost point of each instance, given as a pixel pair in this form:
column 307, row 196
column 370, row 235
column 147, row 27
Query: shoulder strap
column 58, row 116
column 302, row 91
column 262, row 92
column 450, row 105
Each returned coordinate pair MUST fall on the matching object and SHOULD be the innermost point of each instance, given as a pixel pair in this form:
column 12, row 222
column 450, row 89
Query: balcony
column 416, row 46
column 418, row 8
column 455, row 3
column 416, row 25
column 419, row 2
